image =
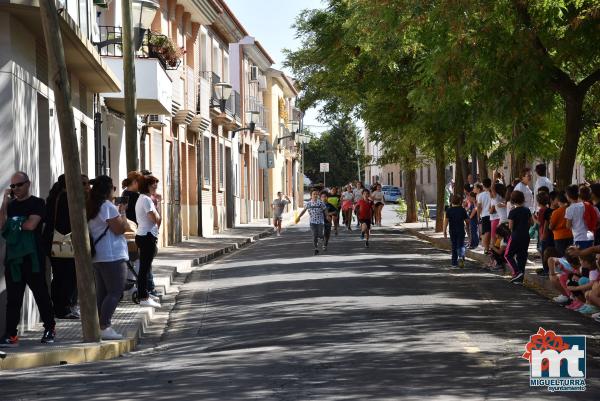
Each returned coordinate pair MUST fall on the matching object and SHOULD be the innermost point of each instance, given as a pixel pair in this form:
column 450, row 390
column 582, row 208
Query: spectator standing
column 497, row 208
column 484, row 201
column 574, row 214
column 63, row 288
column 523, row 187
column 21, row 218
column 542, row 180
column 595, row 188
column 131, row 191
column 456, row 219
column 473, row 221
column 519, row 221
column 107, row 224
column 146, row 238
column 563, row 236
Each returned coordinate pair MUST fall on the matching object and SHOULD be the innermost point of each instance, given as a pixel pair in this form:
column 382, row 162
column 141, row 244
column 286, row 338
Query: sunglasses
column 18, row 184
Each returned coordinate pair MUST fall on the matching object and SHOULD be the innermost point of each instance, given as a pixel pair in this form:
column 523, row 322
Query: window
column 222, row 166
column 206, row 161
column 203, row 55
column 429, row 174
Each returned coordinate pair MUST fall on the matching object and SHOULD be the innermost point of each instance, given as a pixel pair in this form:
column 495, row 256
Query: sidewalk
column 534, row 281
column 170, row 268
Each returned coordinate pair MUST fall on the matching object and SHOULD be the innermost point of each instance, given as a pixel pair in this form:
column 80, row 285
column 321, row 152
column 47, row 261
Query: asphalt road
column 274, row 322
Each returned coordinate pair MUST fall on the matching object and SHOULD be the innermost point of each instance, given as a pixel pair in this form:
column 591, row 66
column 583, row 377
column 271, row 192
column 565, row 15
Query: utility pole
column 357, row 159
column 70, row 151
column 131, row 135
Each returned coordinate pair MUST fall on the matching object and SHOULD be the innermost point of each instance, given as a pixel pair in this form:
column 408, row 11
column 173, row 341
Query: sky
column 270, row 22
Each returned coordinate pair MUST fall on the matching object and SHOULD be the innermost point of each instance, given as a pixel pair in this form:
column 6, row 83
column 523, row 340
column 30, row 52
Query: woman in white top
column 379, row 201
column 107, row 223
column 146, row 237
column 497, row 208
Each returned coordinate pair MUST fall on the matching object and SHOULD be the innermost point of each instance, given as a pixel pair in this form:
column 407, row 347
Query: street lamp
column 295, row 130
column 357, row 153
column 223, row 92
column 252, row 117
column 142, row 15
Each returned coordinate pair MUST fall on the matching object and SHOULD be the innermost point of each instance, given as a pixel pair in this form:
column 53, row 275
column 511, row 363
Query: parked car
column 390, row 193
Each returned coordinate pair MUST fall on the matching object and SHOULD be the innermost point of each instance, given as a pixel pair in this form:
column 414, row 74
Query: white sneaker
column 110, row 334
column 561, row 299
column 150, row 302
column 154, row 298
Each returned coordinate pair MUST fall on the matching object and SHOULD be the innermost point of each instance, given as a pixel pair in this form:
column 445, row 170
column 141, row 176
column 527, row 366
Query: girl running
column 335, row 200
column 378, row 199
column 347, row 206
column 364, row 212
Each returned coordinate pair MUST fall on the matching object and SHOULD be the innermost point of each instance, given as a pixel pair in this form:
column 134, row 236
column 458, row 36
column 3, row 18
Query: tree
column 336, row 147
column 68, row 141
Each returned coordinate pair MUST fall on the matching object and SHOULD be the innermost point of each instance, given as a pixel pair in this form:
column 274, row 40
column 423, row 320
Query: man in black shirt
column 20, row 219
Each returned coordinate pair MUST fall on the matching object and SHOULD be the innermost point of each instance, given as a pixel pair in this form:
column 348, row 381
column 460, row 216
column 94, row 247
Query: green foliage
column 336, row 147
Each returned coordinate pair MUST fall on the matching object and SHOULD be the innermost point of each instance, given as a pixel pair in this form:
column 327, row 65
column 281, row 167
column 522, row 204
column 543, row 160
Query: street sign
column 324, row 167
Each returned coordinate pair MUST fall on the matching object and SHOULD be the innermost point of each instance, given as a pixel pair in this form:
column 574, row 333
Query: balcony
column 232, row 117
column 185, row 92
column 201, row 120
column 254, row 104
column 81, row 57
column 153, row 87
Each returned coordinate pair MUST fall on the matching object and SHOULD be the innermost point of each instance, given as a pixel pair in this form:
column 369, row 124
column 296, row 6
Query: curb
column 537, row 283
column 93, row 352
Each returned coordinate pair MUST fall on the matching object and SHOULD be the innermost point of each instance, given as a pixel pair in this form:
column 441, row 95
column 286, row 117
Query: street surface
column 274, row 322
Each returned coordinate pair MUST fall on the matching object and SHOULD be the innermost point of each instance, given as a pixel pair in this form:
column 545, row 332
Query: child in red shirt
column 364, row 212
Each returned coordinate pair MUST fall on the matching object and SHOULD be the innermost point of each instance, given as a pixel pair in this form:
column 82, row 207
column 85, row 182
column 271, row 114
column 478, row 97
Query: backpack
column 590, row 216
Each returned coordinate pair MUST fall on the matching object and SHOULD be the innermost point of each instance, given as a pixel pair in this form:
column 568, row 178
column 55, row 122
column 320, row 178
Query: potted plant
column 163, row 47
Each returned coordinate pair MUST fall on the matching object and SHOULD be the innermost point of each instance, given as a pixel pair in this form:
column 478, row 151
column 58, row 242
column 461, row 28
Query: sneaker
column 278, row 234
column 596, row 317
column 367, row 243
column 561, row 299
column 316, row 251
column 69, row 316
column 153, row 297
column 48, row 337
column 76, row 311
column 576, row 304
column 588, row 309
column 155, row 293
column 149, row 302
column 461, row 263
column 9, row 341
column 110, row 334
column 362, row 235
column 518, row 279
column 324, row 248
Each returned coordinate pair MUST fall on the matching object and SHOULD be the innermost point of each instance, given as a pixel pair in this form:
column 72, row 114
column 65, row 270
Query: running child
column 335, row 200
column 278, row 206
column 364, row 212
column 316, row 210
column 379, row 201
column 329, row 216
column 348, row 206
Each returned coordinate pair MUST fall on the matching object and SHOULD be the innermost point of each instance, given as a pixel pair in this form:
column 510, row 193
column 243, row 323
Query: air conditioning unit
column 253, row 73
column 156, row 120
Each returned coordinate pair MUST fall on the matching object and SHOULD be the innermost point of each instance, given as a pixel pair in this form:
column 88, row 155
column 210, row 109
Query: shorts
column 347, row 205
column 379, row 204
column 486, row 225
column 367, row 222
column 277, row 218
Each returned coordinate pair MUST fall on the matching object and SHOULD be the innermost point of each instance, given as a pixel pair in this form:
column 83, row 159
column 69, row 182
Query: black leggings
column 64, row 285
column 148, row 250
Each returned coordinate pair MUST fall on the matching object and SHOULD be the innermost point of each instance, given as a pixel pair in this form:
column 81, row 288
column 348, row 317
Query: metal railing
column 111, row 44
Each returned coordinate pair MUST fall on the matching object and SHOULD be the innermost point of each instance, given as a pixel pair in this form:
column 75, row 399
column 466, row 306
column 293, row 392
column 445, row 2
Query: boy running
column 335, row 200
column 316, row 210
column 364, row 212
column 330, row 214
column 278, row 206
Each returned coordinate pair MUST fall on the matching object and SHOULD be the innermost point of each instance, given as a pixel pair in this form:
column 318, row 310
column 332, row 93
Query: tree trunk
column 568, row 153
column 459, row 177
column 517, row 159
column 70, row 151
column 131, row 131
column 410, row 188
column 440, row 170
column 482, row 160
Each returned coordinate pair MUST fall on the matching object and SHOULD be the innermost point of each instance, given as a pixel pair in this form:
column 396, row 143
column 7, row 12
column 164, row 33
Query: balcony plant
column 164, row 48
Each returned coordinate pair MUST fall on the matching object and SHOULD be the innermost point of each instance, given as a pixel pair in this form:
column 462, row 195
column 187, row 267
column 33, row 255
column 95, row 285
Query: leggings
column 495, row 224
column 110, row 284
column 517, row 248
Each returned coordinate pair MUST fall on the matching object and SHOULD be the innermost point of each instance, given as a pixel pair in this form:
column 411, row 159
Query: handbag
column 62, row 247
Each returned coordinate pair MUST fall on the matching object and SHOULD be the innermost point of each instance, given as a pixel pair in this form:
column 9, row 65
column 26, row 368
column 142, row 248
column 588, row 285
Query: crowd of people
column 503, row 219
column 38, row 235
column 353, row 201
